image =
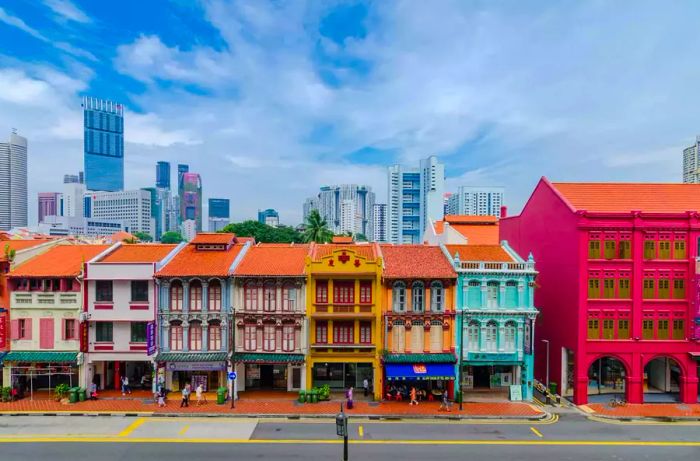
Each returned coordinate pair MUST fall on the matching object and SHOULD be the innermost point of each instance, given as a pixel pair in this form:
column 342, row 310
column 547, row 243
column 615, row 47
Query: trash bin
column 314, row 396
column 302, row 396
column 553, row 388
column 82, row 394
column 73, row 394
column 221, row 396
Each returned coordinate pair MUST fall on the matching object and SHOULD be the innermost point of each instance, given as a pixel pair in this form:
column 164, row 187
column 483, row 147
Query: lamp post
column 459, row 359
column 232, row 322
column 341, row 428
column 546, row 341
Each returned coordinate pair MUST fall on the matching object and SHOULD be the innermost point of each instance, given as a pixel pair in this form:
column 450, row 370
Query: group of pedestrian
column 187, row 392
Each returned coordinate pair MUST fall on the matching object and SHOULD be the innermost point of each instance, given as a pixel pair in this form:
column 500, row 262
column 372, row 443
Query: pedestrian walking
column 161, row 398
column 185, row 396
column 127, row 387
column 365, row 386
column 445, row 405
column 199, row 392
column 414, row 397
column 349, row 396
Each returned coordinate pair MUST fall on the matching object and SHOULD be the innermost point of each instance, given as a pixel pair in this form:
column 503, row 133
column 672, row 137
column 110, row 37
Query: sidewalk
column 666, row 411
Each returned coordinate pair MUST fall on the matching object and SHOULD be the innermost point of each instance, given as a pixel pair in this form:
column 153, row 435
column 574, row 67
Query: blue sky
column 270, row 100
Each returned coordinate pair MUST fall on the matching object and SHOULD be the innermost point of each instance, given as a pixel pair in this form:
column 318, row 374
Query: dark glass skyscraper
column 163, row 175
column 219, row 208
column 103, row 144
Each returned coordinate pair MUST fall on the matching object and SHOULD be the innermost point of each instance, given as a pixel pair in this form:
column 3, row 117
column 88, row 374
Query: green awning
column 192, row 356
column 420, row 358
column 41, row 356
column 252, row 357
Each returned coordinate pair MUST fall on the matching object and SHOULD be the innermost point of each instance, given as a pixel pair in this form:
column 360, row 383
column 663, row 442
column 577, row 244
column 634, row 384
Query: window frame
column 344, row 332
column 288, row 337
column 134, row 339
column 176, row 337
column 321, row 332
column 176, row 296
column 104, row 291
column 398, row 298
column 437, row 296
column 365, row 292
column 214, row 296
column 140, row 291
column 213, row 339
column 344, row 292
column 99, row 326
column 418, row 297
column 269, row 337
column 195, row 334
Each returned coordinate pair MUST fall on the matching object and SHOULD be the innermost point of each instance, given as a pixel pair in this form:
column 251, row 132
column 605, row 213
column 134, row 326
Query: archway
column 662, row 380
column 607, row 376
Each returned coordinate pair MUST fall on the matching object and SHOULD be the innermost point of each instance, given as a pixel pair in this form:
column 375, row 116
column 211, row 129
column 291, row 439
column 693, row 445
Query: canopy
column 425, row 371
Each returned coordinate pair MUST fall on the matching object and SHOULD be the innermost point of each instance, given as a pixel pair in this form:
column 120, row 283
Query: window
column 139, row 290
column 664, row 292
column 24, row 329
column 69, row 329
column 103, row 290
column 195, row 296
column 343, row 333
column 176, row 296
column 608, row 288
column 322, row 291
column 269, row 333
column 288, row 341
column 492, row 294
column 343, row 292
column 365, row 292
column 436, row 297
column 662, row 331
column 491, row 336
column 678, row 329
column 608, row 329
column 625, row 249
column 509, row 337
column 593, row 288
column 214, row 296
column 664, row 249
column 417, row 291
column 365, row 332
column 399, row 297
column 104, row 332
column 623, row 288
column 214, row 337
column 435, row 336
column 649, row 249
column 473, row 330
column 269, row 298
column 648, row 292
column 593, row 329
column 251, row 297
column 322, row 332
column 678, row 289
column 594, row 249
column 250, row 337
column 679, row 249
column 175, row 337
column 289, row 298
column 138, row 332
column 609, row 251
column 398, row 337
column 647, row 329
column 195, row 336
column 417, row 336
column 623, row 329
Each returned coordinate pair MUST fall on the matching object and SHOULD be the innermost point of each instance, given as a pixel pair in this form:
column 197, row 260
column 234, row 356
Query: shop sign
column 253, row 372
column 516, row 393
column 528, row 340
column 196, row 366
column 83, row 336
column 492, row 357
column 420, row 369
column 151, row 338
column 3, row 331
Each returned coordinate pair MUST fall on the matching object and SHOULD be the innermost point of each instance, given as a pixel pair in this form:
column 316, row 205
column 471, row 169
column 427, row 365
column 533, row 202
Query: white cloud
column 147, row 129
column 20, row 24
column 66, row 10
column 75, row 51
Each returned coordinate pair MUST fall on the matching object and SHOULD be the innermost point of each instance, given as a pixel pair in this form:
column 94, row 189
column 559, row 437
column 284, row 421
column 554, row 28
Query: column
column 205, row 296
column 164, row 299
column 224, row 335
column 205, row 337
column 185, row 336
column 689, row 383
column 483, row 293
column 185, row 296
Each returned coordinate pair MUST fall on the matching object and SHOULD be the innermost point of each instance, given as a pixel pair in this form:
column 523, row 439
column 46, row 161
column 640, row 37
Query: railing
column 343, row 309
column 496, row 266
column 44, row 299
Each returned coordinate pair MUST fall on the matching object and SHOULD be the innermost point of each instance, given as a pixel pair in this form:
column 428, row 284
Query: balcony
column 482, row 266
column 343, row 311
column 40, row 299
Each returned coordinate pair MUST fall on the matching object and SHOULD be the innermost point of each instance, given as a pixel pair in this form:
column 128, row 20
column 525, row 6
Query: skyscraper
column 181, row 170
column 191, row 199
column 48, row 205
column 163, row 175
column 163, row 204
column 270, row 217
column 219, row 213
column 74, row 178
column 415, row 198
column 691, row 163
column 379, row 228
column 103, row 144
column 133, row 207
column 13, row 182
column 476, row 201
column 346, row 208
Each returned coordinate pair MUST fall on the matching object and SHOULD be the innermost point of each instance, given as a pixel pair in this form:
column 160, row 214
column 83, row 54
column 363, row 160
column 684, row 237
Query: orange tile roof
column 464, row 219
column 342, row 239
column 19, row 245
column 479, row 230
column 59, row 261
column 487, row 253
column 625, row 197
column 121, row 236
column 139, row 253
column 415, row 261
column 213, row 238
column 192, row 262
column 274, row 259
column 367, row 250
column 439, row 226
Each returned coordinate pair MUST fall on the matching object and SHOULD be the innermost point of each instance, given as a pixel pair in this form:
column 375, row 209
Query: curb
column 658, row 419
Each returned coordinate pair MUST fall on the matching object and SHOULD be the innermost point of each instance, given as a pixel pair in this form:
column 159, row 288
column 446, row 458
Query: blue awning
column 419, row 371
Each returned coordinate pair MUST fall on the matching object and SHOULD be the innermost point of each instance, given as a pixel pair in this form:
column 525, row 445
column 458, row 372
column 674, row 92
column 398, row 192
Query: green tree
column 317, row 229
column 142, row 236
column 171, row 237
column 359, row 237
column 264, row 233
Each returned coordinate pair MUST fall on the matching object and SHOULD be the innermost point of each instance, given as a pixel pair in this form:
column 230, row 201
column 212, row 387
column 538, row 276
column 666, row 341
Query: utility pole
column 546, row 342
column 459, row 359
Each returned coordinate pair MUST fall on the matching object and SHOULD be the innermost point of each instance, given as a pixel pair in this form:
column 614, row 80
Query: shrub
column 60, row 391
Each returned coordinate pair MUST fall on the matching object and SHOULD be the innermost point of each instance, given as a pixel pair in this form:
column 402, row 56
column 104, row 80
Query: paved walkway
column 650, row 410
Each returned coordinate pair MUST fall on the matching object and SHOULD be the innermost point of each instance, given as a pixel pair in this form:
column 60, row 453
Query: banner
column 3, row 330
column 151, row 338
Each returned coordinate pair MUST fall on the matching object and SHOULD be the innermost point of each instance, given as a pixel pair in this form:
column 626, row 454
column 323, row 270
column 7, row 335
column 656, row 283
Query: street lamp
column 459, row 360
column 546, row 341
column 341, row 428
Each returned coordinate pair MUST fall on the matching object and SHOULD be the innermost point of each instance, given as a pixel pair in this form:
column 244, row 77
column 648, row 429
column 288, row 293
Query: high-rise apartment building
column 476, row 201
column 270, row 217
column 13, row 182
column 415, row 198
column 103, row 144
column 133, row 207
column 191, row 198
column 163, row 175
column 72, row 201
column 379, row 227
column 310, row 203
column 691, row 163
column 219, row 213
column 164, row 214
column 346, row 208
column 48, row 205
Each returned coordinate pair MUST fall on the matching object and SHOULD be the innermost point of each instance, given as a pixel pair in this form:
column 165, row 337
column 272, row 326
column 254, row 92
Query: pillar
column 634, row 387
column 117, row 375
column 689, row 383
column 185, row 296
column 205, row 297
column 185, row 337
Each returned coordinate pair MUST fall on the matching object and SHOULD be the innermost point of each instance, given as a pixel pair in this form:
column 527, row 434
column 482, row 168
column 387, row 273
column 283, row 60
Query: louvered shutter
column 46, row 333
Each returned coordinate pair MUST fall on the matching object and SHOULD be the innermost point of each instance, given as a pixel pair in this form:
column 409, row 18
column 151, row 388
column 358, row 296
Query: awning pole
column 31, row 384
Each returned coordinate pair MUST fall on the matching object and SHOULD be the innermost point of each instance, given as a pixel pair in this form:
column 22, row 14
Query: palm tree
column 317, row 229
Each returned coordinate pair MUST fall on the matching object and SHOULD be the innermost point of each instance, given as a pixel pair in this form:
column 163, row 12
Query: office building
column 74, row 178
column 191, row 198
column 181, row 170
column 219, row 213
column 345, row 207
column 72, row 201
column 80, row 226
column 48, row 204
column 415, row 199
column 189, row 229
column 163, row 175
column 270, row 217
column 103, row 123
column 379, row 226
column 133, row 207
column 13, row 182
column 476, row 201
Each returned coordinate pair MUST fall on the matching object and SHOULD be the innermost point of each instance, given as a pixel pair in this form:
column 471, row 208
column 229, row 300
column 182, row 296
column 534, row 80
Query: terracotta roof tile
column 366, row 250
column 479, row 230
column 213, row 238
column 415, row 261
column 626, row 197
column 342, row 239
column 139, row 253
column 274, row 259
column 59, row 261
column 121, row 236
column 19, row 245
column 192, row 262
column 470, row 219
column 487, row 253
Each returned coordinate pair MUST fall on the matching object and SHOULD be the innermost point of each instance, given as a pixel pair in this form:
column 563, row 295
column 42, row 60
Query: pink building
column 618, row 287
column 48, row 204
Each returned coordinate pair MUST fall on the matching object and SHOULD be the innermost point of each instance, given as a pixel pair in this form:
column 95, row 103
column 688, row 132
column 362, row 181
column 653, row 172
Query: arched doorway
column 662, row 379
column 607, row 376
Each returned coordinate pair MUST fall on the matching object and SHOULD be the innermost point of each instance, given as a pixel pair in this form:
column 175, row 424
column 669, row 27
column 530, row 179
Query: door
column 350, row 375
column 266, row 376
column 482, row 377
column 296, row 378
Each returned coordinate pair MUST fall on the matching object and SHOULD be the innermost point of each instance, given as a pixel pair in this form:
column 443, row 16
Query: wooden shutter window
column 46, row 333
column 14, row 329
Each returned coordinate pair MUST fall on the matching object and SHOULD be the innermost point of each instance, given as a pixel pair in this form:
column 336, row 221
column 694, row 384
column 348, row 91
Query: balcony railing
column 44, row 299
column 482, row 266
column 343, row 309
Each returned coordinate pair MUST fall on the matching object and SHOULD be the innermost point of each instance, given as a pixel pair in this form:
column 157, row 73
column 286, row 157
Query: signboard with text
column 150, row 338
column 3, row 330
column 196, row 366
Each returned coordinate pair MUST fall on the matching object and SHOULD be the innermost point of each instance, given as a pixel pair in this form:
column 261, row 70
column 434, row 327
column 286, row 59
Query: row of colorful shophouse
column 282, row 316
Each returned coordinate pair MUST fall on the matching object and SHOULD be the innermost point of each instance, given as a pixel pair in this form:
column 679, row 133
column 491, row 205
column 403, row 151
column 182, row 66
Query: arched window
column 435, row 336
column 269, row 297
column 492, row 288
column 176, row 296
column 509, row 337
column 214, row 296
column 251, row 296
column 175, row 334
column 214, row 334
column 511, row 293
column 289, row 297
column 269, row 337
column 195, row 295
column 288, row 338
column 417, row 341
column 418, row 292
column 491, row 336
column 474, row 294
column 398, row 337
column 399, row 297
column 473, row 331
column 437, row 297
column 195, row 336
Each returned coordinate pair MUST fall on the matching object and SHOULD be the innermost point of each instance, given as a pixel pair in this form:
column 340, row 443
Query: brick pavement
column 649, row 410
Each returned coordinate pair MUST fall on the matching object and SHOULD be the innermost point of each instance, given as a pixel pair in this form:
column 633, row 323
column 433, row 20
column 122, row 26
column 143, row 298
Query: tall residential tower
column 691, row 163
column 476, row 201
column 103, row 144
column 345, row 207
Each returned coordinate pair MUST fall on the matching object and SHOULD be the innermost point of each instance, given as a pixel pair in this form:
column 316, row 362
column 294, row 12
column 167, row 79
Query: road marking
column 361, row 431
column 536, row 432
column 183, row 430
column 132, row 427
column 586, row 409
column 643, row 422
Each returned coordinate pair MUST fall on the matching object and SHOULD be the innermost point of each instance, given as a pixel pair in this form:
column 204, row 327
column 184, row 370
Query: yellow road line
column 132, row 427
column 536, row 432
column 183, row 430
column 361, row 431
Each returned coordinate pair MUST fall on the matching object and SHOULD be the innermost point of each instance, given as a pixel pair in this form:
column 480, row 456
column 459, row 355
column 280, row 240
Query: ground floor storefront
column 176, row 370
column 499, row 374
column 430, row 376
column 267, row 371
column 342, row 373
column 106, row 370
column 32, row 371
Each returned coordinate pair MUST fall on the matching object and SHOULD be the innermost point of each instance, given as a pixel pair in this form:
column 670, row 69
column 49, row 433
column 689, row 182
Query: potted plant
column 60, row 391
column 6, row 394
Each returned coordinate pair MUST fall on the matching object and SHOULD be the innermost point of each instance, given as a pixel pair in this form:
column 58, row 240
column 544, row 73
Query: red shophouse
column 618, row 287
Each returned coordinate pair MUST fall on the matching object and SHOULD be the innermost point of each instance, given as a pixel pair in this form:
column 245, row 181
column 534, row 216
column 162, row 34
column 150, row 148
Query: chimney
column 504, row 211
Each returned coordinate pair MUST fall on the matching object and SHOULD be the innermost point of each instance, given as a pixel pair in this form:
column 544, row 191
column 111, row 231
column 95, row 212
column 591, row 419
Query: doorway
column 266, row 377
column 482, row 377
